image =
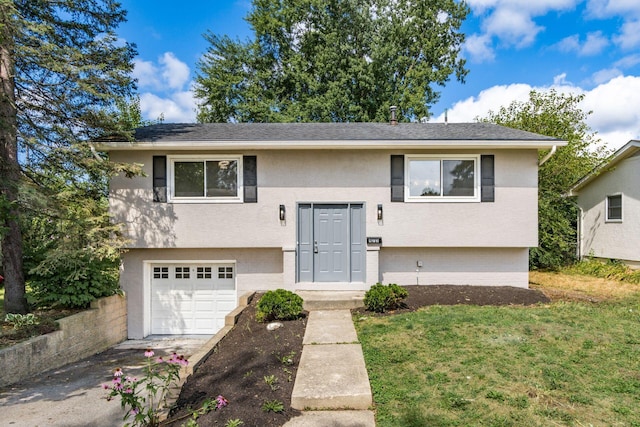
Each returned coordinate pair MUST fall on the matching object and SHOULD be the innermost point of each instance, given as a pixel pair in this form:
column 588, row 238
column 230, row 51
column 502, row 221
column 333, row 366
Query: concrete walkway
column 332, row 385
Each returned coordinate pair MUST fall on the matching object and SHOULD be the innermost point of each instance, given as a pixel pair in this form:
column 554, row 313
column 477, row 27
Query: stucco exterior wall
column 608, row 239
column 293, row 176
column 455, row 266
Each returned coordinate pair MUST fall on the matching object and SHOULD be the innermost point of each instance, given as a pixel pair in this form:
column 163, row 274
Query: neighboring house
column 229, row 208
column 609, row 201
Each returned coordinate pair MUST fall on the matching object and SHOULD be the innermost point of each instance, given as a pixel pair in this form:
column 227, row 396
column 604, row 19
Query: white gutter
column 548, row 156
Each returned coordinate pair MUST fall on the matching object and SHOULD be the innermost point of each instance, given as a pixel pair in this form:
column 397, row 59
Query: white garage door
column 191, row 298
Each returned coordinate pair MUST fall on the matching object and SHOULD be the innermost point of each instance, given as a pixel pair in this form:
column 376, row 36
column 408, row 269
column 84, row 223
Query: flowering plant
column 142, row 397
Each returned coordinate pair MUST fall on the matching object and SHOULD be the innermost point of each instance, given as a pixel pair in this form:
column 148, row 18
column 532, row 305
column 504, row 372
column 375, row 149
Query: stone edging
column 197, row 358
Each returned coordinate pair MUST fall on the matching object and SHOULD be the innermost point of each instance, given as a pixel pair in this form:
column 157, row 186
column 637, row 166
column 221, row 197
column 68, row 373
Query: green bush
column 20, row 321
column 73, row 283
column 381, row 298
column 279, row 305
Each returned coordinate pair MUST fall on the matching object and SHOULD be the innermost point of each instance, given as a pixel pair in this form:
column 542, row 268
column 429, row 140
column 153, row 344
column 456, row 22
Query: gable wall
column 290, row 177
column 617, row 240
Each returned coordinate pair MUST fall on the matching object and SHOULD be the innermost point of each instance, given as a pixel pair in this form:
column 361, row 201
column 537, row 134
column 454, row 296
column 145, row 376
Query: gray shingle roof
column 175, row 132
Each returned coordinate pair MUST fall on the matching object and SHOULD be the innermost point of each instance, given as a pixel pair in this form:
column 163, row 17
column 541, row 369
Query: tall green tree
column 62, row 69
column 333, row 61
column 557, row 115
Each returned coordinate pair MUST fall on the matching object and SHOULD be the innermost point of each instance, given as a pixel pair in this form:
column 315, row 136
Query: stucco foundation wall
column 455, row 266
column 256, row 270
column 80, row 335
column 614, row 239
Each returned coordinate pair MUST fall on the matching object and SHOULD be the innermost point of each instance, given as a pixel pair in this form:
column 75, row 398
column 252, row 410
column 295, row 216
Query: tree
column 560, row 116
column 333, row 61
column 62, row 69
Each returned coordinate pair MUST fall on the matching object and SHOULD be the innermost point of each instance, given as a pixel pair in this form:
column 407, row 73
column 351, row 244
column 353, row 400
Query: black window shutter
column 160, row 179
column 250, row 179
column 487, row 173
column 397, row 178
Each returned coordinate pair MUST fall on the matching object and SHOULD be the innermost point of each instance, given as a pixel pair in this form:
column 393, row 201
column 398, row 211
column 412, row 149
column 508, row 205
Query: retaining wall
column 80, row 335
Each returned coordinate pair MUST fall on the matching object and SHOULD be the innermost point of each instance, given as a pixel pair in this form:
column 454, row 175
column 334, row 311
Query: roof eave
column 624, row 152
column 326, row 144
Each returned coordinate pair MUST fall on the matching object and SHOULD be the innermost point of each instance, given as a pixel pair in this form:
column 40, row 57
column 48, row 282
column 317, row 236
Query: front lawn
column 570, row 362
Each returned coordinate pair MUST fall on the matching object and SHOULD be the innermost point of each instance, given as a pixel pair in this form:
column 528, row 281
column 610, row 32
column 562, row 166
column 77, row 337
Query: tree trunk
column 14, row 298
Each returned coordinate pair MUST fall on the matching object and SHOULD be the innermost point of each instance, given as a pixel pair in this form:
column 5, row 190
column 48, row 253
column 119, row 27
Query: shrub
column 279, row 305
column 20, row 321
column 381, row 298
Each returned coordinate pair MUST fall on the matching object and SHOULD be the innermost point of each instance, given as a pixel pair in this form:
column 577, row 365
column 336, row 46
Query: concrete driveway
column 72, row 396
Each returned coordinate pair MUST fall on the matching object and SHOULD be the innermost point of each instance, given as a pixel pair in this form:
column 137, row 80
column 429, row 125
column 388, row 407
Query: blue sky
column 591, row 47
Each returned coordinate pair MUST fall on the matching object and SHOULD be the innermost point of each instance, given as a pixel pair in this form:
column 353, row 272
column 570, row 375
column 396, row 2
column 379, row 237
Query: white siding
column 618, row 240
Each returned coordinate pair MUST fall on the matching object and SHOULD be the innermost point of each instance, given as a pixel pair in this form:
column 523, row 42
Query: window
column 443, row 178
column 614, row 208
column 205, row 178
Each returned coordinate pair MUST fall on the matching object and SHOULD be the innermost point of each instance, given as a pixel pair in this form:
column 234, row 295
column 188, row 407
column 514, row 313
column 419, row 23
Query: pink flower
column 159, row 360
column 105, row 387
column 222, row 402
column 118, row 372
column 129, row 390
column 148, row 353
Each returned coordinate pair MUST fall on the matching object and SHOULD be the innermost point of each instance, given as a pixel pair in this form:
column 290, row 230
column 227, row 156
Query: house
column 228, row 208
column 609, row 202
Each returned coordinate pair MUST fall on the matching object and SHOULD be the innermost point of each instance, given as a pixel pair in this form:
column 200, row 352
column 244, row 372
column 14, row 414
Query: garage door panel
column 191, row 299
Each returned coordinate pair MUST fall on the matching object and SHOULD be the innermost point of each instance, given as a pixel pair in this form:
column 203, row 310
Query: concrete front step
column 331, row 300
column 333, row 419
column 330, row 327
column 331, row 376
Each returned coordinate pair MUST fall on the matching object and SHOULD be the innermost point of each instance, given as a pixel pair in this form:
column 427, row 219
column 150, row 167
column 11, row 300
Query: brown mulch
column 249, row 353
column 237, row 371
column 46, row 324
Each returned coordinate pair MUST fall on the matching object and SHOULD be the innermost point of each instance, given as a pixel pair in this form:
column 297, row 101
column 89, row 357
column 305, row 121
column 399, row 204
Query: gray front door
column 331, row 242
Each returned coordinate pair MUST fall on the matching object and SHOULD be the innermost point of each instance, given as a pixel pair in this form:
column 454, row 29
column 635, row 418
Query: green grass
column 565, row 363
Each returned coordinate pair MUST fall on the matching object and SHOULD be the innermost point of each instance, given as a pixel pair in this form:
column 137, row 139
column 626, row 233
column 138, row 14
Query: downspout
column 548, row 156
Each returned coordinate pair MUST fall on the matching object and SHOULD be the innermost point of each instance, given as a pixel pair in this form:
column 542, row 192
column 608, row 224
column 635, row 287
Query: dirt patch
column 421, row 296
column 251, row 366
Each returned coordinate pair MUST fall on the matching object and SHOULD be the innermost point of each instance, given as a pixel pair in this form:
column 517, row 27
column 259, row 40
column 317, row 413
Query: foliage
column 207, row 406
column 565, row 363
column 143, row 397
column 559, row 116
column 279, row 305
column 273, row 406
column 69, row 74
column 380, row 298
column 610, row 269
column 20, row 321
column 72, row 249
column 332, row 61
column 234, row 423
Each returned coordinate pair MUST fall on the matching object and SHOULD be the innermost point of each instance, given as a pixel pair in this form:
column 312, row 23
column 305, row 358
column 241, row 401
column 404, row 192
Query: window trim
column 606, row 208
column 172, row 159
column 476, row 198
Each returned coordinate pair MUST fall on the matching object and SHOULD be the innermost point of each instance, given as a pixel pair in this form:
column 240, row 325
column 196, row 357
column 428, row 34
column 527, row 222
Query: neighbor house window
column 614, row 208
column 205, row 178
column 443, row 178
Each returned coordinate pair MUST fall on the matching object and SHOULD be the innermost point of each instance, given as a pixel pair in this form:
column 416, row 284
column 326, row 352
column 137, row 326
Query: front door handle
column 315, row 247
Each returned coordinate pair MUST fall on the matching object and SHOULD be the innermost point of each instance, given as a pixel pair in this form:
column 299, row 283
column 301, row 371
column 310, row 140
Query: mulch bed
column 237, row 371
column 250, row 352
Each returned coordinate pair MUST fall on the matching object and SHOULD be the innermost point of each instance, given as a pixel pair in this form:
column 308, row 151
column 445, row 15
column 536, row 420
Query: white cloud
column 628, row 61
column 593, row 45
column 629, row 36
column 479, row 48
column 614, row 105
column 603, row 76
column 175, row 72
column 168, row 89
column 179, row 107
column 511, row 21
column 146, row 73
column 609, row 8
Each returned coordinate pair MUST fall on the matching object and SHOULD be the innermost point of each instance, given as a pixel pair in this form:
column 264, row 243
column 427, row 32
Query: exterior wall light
column 379, row 213
column 282, row 213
